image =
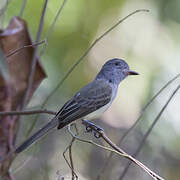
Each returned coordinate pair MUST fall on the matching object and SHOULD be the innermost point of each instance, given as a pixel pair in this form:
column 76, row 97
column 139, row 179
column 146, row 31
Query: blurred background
column 149, row 42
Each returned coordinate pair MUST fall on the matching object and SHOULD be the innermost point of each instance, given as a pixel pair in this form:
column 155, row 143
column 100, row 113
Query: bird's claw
column 95, row 128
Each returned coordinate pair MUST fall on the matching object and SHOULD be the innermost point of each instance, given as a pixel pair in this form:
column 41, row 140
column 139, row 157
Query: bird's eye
column 117, row 64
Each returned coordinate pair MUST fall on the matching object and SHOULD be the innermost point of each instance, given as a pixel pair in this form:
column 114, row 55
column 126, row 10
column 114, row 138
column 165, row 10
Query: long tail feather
column 52, row 124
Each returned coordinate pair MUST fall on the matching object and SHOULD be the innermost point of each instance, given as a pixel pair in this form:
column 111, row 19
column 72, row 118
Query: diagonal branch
column 34, row 59
column 89, row 49
column 22, row 8
column 136, row 122
column 27, row 112
column 50, row 30
column 149, row 131
column 27, row 46
column 115, row 149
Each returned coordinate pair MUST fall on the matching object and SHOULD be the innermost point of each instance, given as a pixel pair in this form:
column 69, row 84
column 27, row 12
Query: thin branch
column 71, row 160
column 34, row 58
column 2, row 13
column 69, row 147
column 116, row 149
column 27, row 46
column 22, row 165
column 42, row 51
column 50, row 30
column 81, row 59
column 27, row 112
column 149, row 131
column 136, row 122
column 70, row 157
column 22, row 8
column 3, row 9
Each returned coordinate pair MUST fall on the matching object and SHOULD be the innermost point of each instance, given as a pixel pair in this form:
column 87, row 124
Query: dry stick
column 3, row 9
column 115, row 149
column 27, row 112
column 42, row 51
column 26, row 46
column 69, row 147
column 70, row 155
column 82, row 58
column 22, row 8
column 71, row 161
column 136, row 122
column 2, row 13
column 34, row 58
column 149, row 131
column 50, row 30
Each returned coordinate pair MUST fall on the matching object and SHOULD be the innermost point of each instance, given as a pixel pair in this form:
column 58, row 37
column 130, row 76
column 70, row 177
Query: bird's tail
column 52, row 124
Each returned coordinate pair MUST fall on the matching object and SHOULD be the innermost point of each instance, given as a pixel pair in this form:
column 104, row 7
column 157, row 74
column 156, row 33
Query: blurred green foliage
column 150, row 44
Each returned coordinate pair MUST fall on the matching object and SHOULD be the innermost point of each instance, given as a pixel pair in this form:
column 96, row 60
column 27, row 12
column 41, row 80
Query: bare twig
column 22, row 8
column 42, row 51
column 149, row 131
column 50, row 30
column 27, row 46
column 117, row 150
column 3, row 9
column 27, row 112
column 69, row 147
column 82, row 58
column 136, row 122
column 70, row 157
column 34, row 58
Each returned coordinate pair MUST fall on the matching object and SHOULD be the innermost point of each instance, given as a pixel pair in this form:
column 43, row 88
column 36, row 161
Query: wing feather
column 90, row 98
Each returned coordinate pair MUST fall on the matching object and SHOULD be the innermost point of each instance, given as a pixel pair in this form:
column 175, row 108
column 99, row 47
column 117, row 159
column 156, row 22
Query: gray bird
column 89, row 102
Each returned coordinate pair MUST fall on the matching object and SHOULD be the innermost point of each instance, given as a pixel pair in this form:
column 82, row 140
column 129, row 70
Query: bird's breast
column 96, row 114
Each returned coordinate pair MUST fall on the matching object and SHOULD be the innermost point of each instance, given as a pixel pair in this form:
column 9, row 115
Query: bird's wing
column 90, row 98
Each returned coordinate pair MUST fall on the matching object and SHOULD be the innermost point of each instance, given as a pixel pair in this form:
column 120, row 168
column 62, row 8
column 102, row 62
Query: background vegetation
column 149, row 42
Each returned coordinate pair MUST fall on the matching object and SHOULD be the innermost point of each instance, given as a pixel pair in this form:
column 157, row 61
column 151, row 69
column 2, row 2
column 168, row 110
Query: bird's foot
column 91, row 127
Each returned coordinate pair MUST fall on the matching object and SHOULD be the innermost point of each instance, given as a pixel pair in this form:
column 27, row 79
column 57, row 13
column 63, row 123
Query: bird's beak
column 130, row 72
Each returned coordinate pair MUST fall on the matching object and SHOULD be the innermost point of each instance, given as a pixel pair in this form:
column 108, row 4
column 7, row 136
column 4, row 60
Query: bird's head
column 115, row 70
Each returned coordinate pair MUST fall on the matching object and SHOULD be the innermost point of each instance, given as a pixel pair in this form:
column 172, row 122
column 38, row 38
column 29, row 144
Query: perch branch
column 115, row 149
column 136, row 122
column 149, row 131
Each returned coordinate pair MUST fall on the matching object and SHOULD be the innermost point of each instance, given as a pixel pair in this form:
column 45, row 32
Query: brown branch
column 69, row 147
column 136, row 122
column 27, row 112
column 123, row 153
column 115, row 149
column 50, row 30
column 34, row 58
column 27, row 46
column 149, row 131
column 71, row 159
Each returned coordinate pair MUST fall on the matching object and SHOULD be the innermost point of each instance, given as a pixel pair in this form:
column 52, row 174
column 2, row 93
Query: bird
column 89, row 102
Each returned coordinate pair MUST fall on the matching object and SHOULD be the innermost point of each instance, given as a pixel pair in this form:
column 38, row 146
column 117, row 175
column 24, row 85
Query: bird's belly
column 96, row 114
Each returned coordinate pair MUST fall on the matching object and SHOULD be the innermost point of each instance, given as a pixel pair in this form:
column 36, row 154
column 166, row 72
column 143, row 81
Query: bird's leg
column 92, row 127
